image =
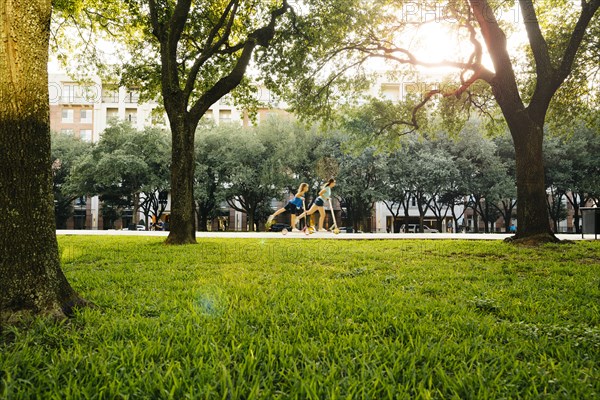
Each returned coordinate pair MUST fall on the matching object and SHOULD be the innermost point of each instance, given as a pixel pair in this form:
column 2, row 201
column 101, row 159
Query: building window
column 67, row 131
column 85, row 135
column 391, row 92
column 131, row 115
column 225, row 115
column 208, row 116
column 85, row 116
column 67, row 94
column 111, row 114
column 83, row 94
column 110, row 94
column 67, row 116
column 132, row 96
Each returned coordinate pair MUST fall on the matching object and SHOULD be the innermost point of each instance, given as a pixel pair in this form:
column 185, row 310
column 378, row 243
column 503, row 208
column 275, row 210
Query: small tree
column 255, row 171
column 64, row 151
column 211, row 173
column 123, row 164
column 358, row 185
column 394, row 185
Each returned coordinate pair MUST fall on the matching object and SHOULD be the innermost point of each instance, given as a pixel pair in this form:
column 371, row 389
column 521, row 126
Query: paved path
column 325, row 235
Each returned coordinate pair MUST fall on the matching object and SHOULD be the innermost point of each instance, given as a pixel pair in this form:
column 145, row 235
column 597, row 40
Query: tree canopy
column 561, row 55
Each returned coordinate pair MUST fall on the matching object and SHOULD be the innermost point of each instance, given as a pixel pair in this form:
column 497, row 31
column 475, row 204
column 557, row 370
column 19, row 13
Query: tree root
column 535, row 240
column 70, row 306
column 53, row 312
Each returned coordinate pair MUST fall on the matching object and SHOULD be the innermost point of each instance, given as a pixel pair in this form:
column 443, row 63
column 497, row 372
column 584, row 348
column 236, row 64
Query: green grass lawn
column 310, row 319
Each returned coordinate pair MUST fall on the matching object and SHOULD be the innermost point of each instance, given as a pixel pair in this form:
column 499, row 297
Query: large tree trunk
column 31, row 278
column 532, row 212
column 182, row 220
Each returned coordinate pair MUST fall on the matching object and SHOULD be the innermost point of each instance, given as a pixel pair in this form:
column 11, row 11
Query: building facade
column 84, row 109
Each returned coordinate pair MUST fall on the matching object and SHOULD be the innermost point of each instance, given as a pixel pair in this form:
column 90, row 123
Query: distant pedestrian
column 294, row 206
column 319, row 204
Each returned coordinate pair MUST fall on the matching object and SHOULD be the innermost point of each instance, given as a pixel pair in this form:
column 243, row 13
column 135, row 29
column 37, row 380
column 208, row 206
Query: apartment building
column 84, row 109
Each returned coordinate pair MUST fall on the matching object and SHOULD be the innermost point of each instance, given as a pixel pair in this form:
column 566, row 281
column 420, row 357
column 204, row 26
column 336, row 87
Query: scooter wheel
column 336, row 231
column 284, row 231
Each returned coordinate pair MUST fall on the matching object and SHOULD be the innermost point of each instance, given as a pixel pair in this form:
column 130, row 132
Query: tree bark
column 31, row 278
column 182, row 222
column 526, row 123
column 532, row 212
column 184, row 107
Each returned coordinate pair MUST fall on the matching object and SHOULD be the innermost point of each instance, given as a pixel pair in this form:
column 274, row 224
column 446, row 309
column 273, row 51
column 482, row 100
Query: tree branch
column 262, row 37
column 538, row 44
column 210, row 48
column 503, row 82
column 546, row 86
column 177, row 24
column 587, row 13
column 157, row 26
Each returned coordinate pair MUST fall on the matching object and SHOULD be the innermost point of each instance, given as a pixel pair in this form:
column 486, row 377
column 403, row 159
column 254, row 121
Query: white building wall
column 382, row 213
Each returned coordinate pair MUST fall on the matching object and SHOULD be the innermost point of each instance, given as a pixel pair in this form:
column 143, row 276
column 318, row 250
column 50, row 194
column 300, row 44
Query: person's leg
column 321, row 217
column 272, row 216
column 276, row 213
column 293, row 220
column 306, row 213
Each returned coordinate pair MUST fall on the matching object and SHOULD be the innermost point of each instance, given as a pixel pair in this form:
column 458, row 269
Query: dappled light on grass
column 261, row 319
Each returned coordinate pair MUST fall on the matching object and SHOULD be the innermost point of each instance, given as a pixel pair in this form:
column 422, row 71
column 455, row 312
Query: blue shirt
column 297, row 201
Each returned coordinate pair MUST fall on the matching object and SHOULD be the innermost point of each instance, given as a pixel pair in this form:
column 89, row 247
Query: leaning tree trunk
column 30, row 276
column 182, row 226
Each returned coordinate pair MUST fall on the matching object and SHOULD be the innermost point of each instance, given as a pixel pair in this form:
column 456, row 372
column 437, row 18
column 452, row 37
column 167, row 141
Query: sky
column 434, row 41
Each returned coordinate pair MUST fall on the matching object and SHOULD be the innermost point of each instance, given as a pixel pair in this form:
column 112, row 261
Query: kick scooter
column 335, row 229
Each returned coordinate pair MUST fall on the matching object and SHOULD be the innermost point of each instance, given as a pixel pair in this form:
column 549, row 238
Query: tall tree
column 559, row 41
column 394, row 186
column 559, row 178
column 583, row 149
column 256, row 170
column 201, row 51
column 154, row 146
column 32, row 280
column 505, row 189
column 573, row 167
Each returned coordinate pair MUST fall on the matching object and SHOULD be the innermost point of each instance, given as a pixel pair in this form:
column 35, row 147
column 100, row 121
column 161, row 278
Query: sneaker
column 295, row 230
column 269, row 221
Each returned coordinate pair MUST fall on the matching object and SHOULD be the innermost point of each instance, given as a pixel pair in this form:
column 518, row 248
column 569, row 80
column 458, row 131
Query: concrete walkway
column 324, row 235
